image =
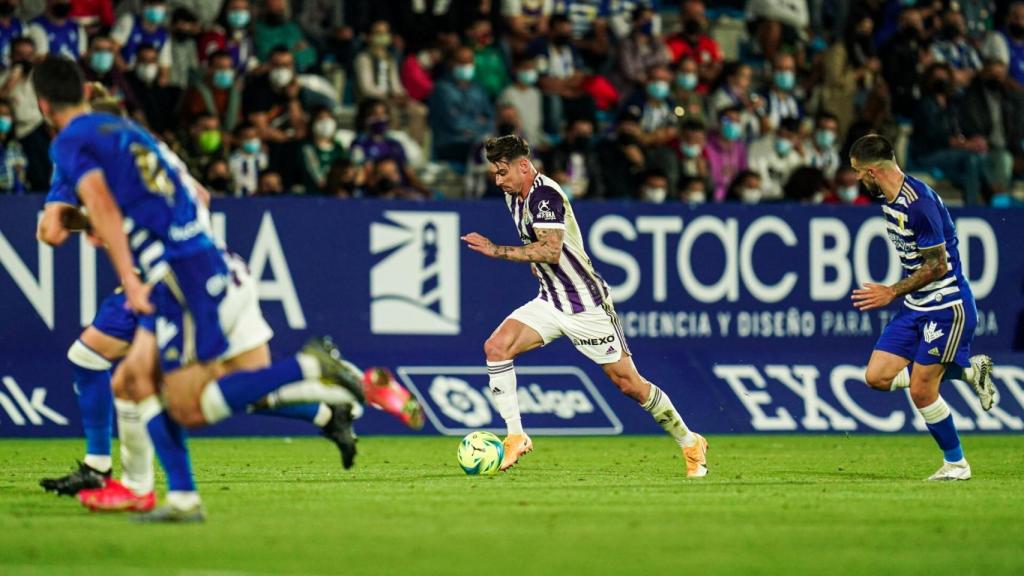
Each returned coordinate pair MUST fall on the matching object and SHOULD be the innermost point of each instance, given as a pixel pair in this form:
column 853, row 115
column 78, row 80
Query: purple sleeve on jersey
column 547, row 207
column 926, row 222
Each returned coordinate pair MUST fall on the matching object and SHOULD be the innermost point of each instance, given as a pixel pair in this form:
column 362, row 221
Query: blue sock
column 304, row 412
column 96, row 402
column 244, row 388
column 169, row 441
column 946, row 436
column 953, row 372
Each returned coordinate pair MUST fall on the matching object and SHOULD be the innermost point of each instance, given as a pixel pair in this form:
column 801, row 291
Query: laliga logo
column 414, row 288
column 459, row 401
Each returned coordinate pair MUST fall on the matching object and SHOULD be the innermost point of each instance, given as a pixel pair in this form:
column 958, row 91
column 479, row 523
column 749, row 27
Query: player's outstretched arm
column 108, row 226
column 546, row 250
column 933, row 266
column 52, row 229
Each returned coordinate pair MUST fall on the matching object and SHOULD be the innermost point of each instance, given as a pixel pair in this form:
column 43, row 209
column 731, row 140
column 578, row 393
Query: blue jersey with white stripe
column 162, row 217
column 915, row 220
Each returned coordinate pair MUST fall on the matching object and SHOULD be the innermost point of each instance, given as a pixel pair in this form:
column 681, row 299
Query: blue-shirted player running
column 203, row 313
column 929, row 339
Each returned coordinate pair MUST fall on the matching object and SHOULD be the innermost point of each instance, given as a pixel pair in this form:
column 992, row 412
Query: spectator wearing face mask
column 218, row 91
column 373, row 144
column 488, row 59
column 733, row 90
column 694, row 191
column 692, row 41
column 993, row 109
column 13, row 163
column 218, row 178
column 560, row 67
column 205, row 145
column 156, row 103
column 638, row 53
column 776, row 156
column 822, row 150
column 11, row 27
column 461, row 114
column 693, row 165
column 386, row 182
column 780, row 102
column 654, row 187
column 806, row 185
column 526, row 98
column 745, row 188
column 575, row 163
column 54, row 31
column 955, row 49
column 29, row 127
column 232, row 33
column 658, row 132
column 343, row 180
column 184, row 49
column 621, row 157
column 98, row 66
column 725, row 151
column 846, row 191
column 684, row 90
column 277, row 28
column 270, row 184
column 417, row 73
column 376, row 70
column 133, row 31
column 320, row 150
column 901, row 62
column 248, row 160
column 206, row 11
column 852, row 70
column 1007, row 45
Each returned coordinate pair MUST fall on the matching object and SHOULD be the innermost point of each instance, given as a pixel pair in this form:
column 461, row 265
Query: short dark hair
column 59, row 80
column 506, row 149
column 692, row 125
column 872, row 148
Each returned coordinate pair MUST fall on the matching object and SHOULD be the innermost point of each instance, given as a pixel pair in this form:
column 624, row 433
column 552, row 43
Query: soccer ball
column 480, row 453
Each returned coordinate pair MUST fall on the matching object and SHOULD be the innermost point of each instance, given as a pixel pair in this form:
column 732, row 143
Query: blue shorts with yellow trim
column 932, row 337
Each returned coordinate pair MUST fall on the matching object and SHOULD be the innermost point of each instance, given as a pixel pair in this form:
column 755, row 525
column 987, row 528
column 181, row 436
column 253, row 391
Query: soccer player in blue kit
column 929, row 339
column 203, row 312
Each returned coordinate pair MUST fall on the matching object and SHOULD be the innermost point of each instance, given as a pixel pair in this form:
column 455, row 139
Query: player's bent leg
column 887, row 371
column 627, row 379
column 924, row 391
column 507, row 342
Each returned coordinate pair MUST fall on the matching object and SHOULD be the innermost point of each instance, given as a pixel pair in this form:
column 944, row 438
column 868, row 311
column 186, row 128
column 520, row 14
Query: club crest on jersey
column 544, row 211
column 932, row 332
column 414, row 282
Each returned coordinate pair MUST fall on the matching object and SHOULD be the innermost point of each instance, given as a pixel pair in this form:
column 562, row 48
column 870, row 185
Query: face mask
column 5, row 124
column 378, row 126
column 281, row 77
column 1015, row 30
column 690, row 150
column 382, row 40
column 698, row 197
column 785, row 80
column 750, row 195
column 825, row 138
column 848, row 193
column 209, row 141
column 251, row 146
column 464, row 72
column 154, row 14
column 219, row 183
column 783, row 146
column 101, row 61
column 425, row 59
column 692, row 28
column 61, row 11
column 528, row 77
column 6, row 9
column 658, row 90
column 223, row 79
column 385, row 185
column 731, row 131
column 655, row 195
column 325, row 128
column 686, row 80
column 146, row 72
column 238, row 18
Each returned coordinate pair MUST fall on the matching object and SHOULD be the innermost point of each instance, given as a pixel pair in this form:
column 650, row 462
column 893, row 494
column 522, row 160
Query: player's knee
column 631, row 385
column 497, row 349
column 186, row 414
column 877, row 381
column 923, row 395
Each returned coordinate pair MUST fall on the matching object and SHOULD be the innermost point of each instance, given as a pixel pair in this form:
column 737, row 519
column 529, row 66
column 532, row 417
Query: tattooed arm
column 546, row 250
column 933, row 266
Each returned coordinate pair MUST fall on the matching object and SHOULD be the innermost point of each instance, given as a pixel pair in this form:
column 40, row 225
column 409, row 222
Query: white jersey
column 572, row 285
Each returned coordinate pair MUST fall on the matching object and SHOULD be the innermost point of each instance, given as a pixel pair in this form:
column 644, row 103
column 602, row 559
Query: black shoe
column 84, row 478
column 339, row 430
column 333, row 367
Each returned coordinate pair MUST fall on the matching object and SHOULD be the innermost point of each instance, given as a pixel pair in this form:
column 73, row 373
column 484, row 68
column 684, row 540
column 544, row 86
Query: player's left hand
column 137, row 294
column 872, row 296
column 479, row 243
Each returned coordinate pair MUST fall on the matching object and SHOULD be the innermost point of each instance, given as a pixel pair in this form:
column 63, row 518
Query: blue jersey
column 915, row 220
column 162, row 218
column 63, row 39
column 140, row 37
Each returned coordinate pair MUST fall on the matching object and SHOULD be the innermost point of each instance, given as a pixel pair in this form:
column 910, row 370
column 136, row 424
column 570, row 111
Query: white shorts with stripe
column 595, row 332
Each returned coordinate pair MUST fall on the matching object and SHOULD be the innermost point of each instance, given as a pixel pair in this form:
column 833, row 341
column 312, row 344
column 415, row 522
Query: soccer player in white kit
column 574, row 301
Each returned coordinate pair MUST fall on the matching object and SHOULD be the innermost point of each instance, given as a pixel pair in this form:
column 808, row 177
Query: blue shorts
column 933, row 337
column 115, row 319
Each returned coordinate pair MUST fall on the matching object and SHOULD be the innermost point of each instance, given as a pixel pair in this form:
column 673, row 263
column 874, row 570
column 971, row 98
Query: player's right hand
column 137, row 295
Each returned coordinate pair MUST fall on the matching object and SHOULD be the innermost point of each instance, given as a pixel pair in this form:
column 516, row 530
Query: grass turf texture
column 773, row 505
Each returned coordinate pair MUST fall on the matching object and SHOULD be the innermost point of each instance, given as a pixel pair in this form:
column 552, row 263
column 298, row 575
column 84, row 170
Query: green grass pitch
column 773, row 505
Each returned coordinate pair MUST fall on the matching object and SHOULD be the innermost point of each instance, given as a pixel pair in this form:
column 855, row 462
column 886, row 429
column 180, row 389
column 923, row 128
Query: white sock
column 310, row 391
column 212, row 403
column 502, row 382
column 136, row 448
column 969, row 374
column 901, row 381
column 309, row 366
column 98, row 462
column 665, row 414
column 935, row 412
column 323, row 416
column 182, row 500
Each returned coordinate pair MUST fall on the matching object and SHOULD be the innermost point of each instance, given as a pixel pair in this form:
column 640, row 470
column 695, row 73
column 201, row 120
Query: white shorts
column 596, row 332
column 240, row 315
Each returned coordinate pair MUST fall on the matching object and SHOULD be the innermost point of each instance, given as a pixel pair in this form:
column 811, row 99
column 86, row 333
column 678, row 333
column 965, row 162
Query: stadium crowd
column 744, row 100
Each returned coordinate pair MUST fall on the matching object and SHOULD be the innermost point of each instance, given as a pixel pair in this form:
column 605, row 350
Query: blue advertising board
column 741, row 313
